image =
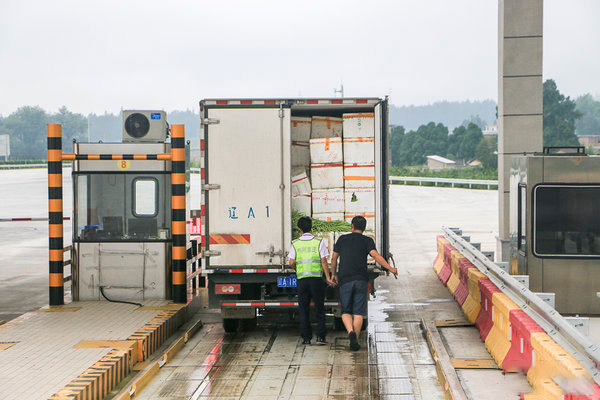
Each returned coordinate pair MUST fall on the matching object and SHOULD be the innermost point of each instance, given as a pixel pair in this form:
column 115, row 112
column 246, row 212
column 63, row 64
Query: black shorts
column 353, row 296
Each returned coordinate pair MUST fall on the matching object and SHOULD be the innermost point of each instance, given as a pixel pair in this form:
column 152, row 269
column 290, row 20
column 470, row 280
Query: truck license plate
column 286, row 281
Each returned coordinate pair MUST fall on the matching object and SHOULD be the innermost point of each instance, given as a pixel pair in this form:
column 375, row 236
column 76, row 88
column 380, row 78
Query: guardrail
column 451, row 181
column 554, row 324
column 421, row 179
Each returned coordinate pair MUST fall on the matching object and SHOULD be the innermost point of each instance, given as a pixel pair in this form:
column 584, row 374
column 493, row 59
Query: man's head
column 359, row 223
column 305, row 224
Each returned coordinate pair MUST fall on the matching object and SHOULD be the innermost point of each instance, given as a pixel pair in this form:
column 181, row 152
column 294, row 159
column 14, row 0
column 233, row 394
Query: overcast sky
column 94, row 56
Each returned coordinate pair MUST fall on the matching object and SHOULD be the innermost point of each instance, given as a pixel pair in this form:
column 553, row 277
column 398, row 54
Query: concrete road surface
column 269, row 362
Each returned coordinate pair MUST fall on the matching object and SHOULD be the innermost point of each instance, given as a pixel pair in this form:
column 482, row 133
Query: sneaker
column 305, row 341
column 321, row 340
column 354, row 346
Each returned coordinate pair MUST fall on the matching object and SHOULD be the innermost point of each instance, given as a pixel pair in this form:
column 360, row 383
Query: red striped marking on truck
column 276, row 101
column 273, row 304
column 245, row 271
column 229, row 239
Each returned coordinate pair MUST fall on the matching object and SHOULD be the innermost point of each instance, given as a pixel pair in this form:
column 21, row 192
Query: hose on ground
column 119, row 301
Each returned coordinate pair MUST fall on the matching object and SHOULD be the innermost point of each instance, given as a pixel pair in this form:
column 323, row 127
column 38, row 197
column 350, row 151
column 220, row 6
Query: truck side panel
column 247, row 154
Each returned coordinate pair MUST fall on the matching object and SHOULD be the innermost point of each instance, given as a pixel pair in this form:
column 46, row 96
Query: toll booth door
column 247, row 161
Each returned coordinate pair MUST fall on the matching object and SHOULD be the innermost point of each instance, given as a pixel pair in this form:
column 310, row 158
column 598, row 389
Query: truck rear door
column 247, row 193
column 382, row 177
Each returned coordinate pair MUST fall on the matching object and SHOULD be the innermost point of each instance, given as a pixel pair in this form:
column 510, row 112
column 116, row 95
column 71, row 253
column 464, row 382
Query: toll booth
column 555, row 226
column 122, row 223
column 129, row 213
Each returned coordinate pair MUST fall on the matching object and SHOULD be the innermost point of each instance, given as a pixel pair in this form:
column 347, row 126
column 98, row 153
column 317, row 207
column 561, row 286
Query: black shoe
column 354, row 346
column 321, row 340
column 305, row 341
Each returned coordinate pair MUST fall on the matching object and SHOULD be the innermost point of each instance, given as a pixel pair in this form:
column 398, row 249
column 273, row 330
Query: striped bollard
column 178, row 207
column 55, row 215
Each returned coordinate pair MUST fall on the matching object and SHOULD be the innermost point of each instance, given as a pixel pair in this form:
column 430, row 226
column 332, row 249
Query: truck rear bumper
column 246, row 309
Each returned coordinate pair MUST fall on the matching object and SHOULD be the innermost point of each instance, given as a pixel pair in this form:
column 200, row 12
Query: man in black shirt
column 353, row 250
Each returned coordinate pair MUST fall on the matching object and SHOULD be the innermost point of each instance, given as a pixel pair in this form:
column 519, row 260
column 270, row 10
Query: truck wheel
column 230, row 325
column 365, row 324
column 338, row 324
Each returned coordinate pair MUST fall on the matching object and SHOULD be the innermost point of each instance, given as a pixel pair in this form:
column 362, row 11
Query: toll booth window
column 567, row 221
column 145, row 197
column 122, row 207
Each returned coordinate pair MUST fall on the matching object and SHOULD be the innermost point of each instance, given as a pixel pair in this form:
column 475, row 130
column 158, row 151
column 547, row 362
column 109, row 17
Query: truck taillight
column 233, row 288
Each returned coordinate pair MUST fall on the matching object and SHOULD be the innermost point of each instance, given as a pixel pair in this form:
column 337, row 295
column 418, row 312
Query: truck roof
column 292, row 101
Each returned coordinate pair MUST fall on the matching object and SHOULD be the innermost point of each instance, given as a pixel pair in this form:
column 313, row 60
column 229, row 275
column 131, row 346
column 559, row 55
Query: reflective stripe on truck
column 273, row 304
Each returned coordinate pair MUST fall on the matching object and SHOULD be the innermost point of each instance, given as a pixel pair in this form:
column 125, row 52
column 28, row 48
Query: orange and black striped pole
column 55, row 214
column 178, row 207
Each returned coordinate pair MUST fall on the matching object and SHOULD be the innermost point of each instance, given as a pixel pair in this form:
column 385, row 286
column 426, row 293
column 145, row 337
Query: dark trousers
column 311, row 289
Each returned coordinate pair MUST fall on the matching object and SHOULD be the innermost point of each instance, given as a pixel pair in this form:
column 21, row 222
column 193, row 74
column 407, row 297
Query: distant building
column 475, row 164
column 437, row 163
column 5, row 146
column 589, row 140
column 490, row 130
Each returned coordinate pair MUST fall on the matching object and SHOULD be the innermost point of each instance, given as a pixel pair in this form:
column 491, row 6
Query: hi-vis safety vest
column 308, row 258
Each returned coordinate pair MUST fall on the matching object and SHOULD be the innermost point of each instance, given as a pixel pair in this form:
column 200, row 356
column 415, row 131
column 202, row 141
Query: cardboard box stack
column 327, row 168
column 339, row 156
column 301, row 187
column 359, row 167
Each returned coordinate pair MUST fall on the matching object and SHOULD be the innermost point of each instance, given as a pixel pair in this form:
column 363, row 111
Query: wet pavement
column 269, row 362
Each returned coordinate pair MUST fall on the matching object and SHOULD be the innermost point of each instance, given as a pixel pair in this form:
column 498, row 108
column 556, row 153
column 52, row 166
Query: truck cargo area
column 269, row 161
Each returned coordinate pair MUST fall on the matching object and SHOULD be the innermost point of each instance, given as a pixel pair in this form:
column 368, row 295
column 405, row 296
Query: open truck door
column 247, row 186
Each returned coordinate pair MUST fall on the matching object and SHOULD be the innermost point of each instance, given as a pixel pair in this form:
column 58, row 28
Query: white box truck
column 247, row 200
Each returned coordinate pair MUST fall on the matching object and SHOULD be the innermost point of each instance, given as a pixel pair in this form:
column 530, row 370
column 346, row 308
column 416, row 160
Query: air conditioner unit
column 148, row 126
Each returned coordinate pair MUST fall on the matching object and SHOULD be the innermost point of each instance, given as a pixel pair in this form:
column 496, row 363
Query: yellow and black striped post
column 55, row 214
column 178, row 207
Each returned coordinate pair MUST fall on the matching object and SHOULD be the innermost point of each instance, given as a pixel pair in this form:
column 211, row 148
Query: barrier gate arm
column 550, row 320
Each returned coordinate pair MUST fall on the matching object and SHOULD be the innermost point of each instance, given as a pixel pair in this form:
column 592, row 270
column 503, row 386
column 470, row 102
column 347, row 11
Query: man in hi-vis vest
column 308, row 256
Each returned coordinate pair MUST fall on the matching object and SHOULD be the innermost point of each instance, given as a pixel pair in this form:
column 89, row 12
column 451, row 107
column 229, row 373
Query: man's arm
column 381, row 261
column 334, row 259
column 325, row 268
column 293, row 264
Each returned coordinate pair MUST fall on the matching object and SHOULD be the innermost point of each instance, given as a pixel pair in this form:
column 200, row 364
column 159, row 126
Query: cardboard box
column 325, row 176
column 328, row 201
column 324, row 127
column 301, row 154
column 357, row 125
column 329, row 216
column 359, row 175
column 370, row 217
column 302, row 203
column 366, row 233
column 301, row 129
column 329, row 238
column 300, row 181
column 359, row 200
column 358, row 150
column 326, row 150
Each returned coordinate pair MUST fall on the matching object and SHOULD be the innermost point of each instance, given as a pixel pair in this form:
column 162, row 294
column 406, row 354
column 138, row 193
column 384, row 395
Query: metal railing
column 435, row 180
column 450, row 181
column 550, row 320
column 68, row 249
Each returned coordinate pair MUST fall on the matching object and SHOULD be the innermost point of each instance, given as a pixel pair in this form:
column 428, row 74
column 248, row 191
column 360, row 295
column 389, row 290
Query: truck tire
column 230, row 325
column 338, row 324
column 365, row 324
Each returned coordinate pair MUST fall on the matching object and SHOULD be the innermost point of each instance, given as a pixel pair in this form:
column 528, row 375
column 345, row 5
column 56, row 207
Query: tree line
column 562, row 118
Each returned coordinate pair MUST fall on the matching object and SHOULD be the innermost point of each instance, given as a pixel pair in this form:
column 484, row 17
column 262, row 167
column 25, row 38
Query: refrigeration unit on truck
column 265, row 163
